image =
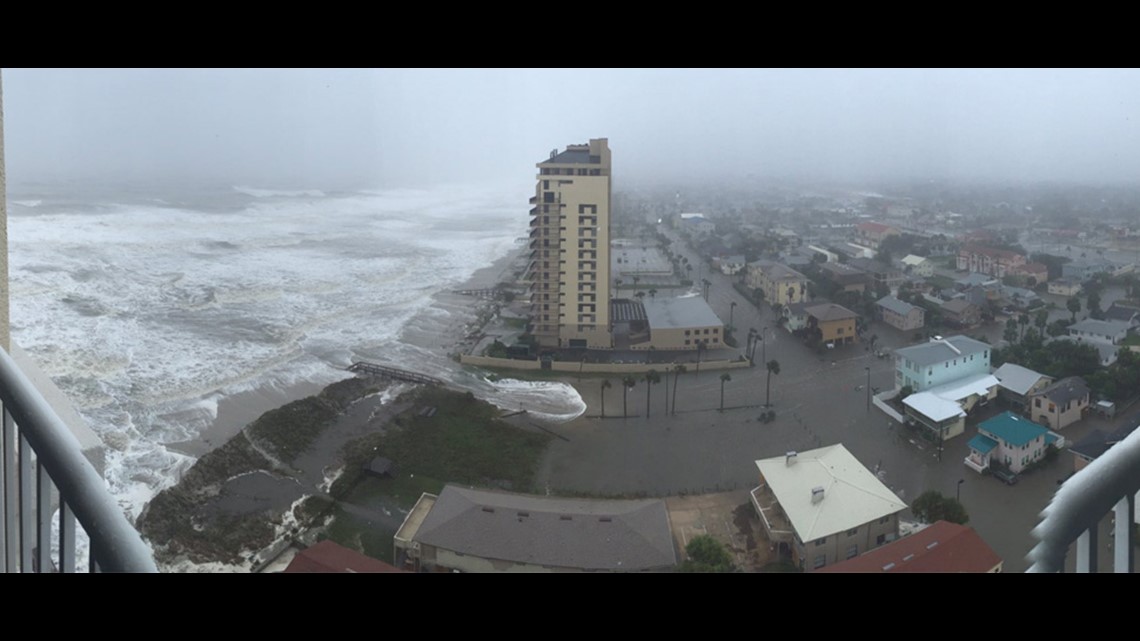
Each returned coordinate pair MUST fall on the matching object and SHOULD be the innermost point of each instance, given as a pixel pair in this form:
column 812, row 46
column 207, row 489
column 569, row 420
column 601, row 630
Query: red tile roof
column 941, row 547
column 991, row 252
column 328, row 557
column 875, row 228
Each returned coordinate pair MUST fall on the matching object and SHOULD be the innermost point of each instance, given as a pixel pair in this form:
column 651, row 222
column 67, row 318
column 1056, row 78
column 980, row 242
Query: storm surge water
column 151, row 311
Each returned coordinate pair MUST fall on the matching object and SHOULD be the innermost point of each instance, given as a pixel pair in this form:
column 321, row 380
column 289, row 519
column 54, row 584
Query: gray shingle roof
column 1066, row 389
column 895, row 305
column 1016, row 378
column 1104, row 328
column 937, row 352
column 552, row 532
column 570, row 156
column 830, row 312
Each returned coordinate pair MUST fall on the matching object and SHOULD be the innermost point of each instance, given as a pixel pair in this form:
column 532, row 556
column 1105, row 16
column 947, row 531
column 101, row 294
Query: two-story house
column 899, row 314
column 836, row 323
column 940, row 361
column 1105, row 335
column 1012, row 441
column 1060, row 404
column 823, row 506
column 848, row 278
column 918, row 265
column 872, row 234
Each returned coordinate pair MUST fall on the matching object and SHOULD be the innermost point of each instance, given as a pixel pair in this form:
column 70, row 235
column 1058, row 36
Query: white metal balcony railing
column 1108, row 484
column 38, row 457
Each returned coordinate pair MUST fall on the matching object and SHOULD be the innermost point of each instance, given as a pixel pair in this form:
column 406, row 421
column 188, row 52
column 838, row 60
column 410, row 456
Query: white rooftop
column 911, row 259
column 852, row 495
column 942, row 401
column 1016, row 378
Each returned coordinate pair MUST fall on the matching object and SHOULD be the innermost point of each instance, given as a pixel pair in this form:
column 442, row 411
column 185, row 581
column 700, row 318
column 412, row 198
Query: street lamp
column 958, row 492
column 868, row 388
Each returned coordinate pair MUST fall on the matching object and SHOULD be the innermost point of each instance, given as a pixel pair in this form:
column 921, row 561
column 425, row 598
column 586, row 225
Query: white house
column 919, row 266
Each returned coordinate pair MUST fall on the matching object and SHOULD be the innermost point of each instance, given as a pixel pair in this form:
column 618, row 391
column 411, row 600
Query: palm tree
column 651, row 378
column 773, row 368
column 653, row 293
column 627, row 383
column 1023, row 320
column 724, row 378
column 606, row 384
column 677, row 371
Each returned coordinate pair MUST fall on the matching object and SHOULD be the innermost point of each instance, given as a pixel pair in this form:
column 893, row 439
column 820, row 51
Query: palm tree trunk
column 603, row 402
column 768, row 391
column 722, row 396
column 648, row 386
column 624, row 396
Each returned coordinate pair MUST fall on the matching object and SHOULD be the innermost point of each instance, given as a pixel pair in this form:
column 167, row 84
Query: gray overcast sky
column 326, row 128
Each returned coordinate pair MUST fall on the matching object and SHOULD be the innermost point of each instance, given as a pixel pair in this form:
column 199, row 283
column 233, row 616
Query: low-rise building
column 1095, row 443
column 469, row 530
column 1084, row 269
column 1110, row 332
column 989, row 260
column 781, row 285
column 823, row 506
column 940, row 361
column 681, row 323
column 918, row 265
column 1060, row 404
column 836, row 323
column 730, row 265
column 942, row 409
column 872, row 234
column 848, row 278
column 942, row 547
column 796, row 315
column 327, row 557
column 881, row 274
column 1010, row 440
column 961, row 312
column 1016, row 384
column 1031, row 274
column 1065, row 287
column 901, row 315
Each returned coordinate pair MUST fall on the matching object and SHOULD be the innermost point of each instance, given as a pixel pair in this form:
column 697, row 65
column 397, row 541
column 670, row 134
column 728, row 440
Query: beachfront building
column 823, row 506
column 681, row 323
column 468, row 530
column 940, row 361
column 569, row 267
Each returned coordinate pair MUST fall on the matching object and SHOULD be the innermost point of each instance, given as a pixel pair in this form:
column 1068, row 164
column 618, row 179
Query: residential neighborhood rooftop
column 942, row 401
column 1066, row 389
column 942, row 547
column 852, row 495
column 938, row 351
column 1102, row 327
column 329, row 557
column 555, row 532
column 830, row 312
column 1013, row 429
column 911, row 259
column 895, row 305
column 1016, row 378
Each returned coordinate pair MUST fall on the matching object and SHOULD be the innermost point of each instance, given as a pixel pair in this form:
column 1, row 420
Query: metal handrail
column 1082, row 501
column 115, row 545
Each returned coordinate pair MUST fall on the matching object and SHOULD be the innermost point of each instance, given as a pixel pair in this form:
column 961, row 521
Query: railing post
column 1086, row 551
column 8, row 452
column 66, row 538
column 1122, row 555
column 27, row 531
column 43, row 519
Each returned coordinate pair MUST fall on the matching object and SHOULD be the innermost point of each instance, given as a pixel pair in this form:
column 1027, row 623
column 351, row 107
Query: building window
column 819, row 542
column 881, row 539
column 853, row 551
column 884, row 520
column 820, row 561
column 853, row 531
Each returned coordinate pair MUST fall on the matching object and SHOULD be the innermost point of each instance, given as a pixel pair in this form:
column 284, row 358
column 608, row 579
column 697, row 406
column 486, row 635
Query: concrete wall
column 1059, row 418
column 572, row 367
column 836, row 547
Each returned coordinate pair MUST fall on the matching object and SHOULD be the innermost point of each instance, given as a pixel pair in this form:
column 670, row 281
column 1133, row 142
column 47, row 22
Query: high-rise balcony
column 42, row 466
column 1108, row 484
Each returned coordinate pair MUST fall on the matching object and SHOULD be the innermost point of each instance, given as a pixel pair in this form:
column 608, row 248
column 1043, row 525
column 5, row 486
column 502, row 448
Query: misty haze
column 568, row 319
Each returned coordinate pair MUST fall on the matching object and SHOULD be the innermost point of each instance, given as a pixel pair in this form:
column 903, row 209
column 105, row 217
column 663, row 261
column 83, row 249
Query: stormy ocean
column 172, row 316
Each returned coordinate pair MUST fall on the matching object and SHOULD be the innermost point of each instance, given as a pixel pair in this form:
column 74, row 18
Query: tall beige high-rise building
column 570, row 248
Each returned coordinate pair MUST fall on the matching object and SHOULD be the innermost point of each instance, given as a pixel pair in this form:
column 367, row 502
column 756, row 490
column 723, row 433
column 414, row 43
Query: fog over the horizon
column 315, row 128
